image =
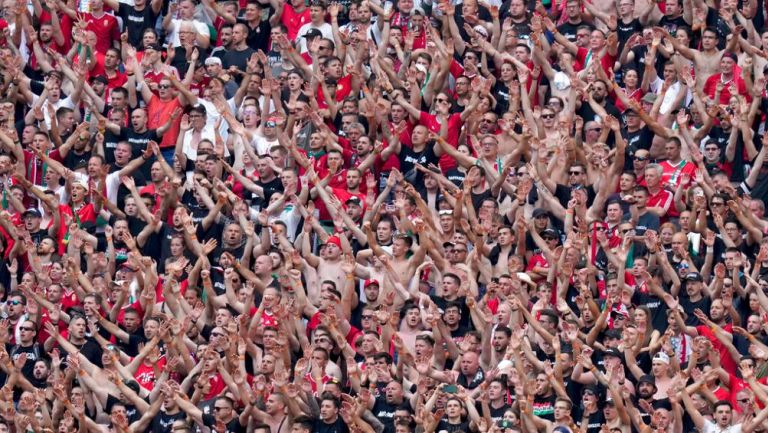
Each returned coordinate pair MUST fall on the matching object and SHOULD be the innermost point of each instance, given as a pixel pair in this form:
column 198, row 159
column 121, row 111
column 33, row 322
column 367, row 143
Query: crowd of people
column 408, row 216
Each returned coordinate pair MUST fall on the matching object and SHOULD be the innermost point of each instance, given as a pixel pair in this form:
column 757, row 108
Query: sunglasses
column 217, row 334
column 164, row 86
column 547, row 116
column 14, row 302
column 574, row 173
column 26, row 328
column 640, row 158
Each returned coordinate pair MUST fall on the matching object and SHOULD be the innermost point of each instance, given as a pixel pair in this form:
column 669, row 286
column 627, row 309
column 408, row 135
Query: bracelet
column 713, row 328
column 81, row 372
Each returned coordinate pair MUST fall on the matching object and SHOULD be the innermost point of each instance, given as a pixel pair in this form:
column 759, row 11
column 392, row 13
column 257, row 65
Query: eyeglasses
column 548, row 116
column 640, row 158
column 164, row 86
column 14, row 302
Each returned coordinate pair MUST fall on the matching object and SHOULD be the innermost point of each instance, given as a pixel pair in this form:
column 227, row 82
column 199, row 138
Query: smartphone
column 450, row 389
column 503, row 423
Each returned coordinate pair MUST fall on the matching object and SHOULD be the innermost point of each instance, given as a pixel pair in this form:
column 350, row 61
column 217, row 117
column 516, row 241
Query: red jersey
column 293, row 20
column 710, row 86
column 454, row 128
column 672, row 173
column 106, row 28
column 584, row 57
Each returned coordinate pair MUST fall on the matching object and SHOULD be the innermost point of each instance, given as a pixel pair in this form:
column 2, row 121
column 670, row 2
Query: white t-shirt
column 173, row 35
column 324, row 28
column 66, row 102
column 711, row 427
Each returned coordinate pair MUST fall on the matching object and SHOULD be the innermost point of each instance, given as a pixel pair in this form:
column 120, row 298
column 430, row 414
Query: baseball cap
column 620, row 310
column 101, row 79
column 661, row 356
column 153, row 46
column 354, row 200
column 647, row 378
column 539, row 212
column 612, row 351
column 370, row 283
column 694, row 276
column 33, row 212
column 313, row 33
column 213, row 61
column 549, row 233
column 80, row 182
column 334, row 240
column 649, row 98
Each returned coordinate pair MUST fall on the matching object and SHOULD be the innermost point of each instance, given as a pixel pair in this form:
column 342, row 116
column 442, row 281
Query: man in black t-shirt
column 240, row 52
column 384, row 406
column 329, row 421
column 569, row 28
column 136, row 18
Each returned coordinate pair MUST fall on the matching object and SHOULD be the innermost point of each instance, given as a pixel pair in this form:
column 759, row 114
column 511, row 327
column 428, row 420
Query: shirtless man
column 274, row 413
column 707, row 61
column 328, row 267
column 404, row 267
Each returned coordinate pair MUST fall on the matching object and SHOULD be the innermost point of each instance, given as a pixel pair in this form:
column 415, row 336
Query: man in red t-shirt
column 104, row 25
